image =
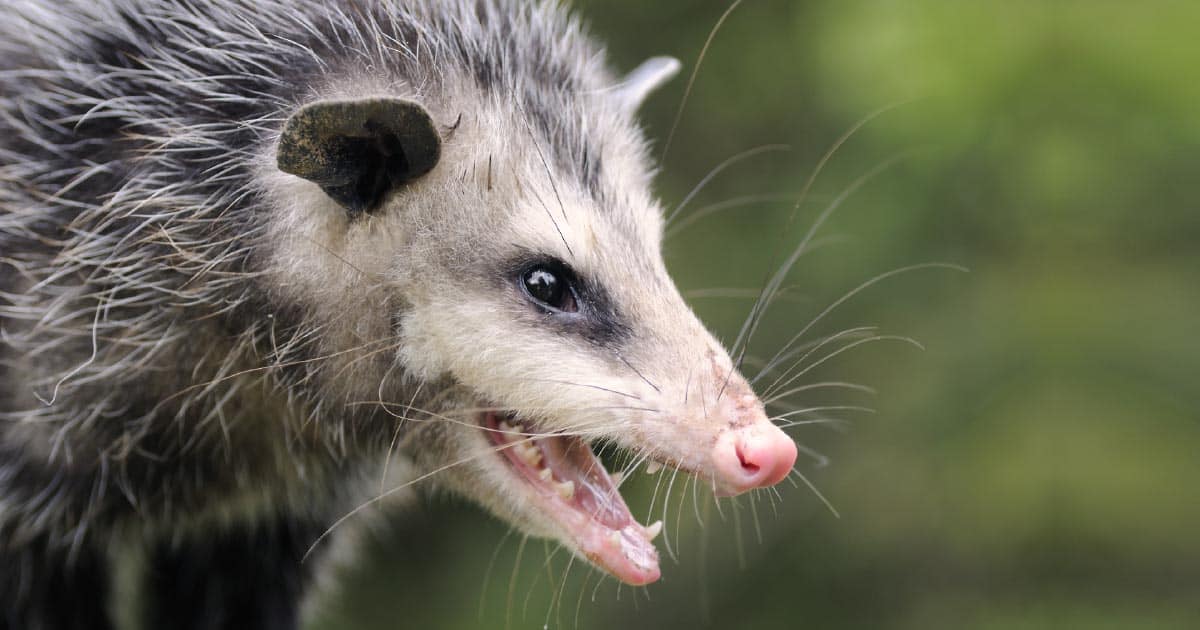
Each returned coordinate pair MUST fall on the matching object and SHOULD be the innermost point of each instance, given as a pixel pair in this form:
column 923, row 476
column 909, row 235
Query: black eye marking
column 552, row 286
column 566, row 302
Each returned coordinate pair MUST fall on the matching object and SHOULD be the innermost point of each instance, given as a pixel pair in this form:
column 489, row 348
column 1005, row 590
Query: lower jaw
column 571, row 488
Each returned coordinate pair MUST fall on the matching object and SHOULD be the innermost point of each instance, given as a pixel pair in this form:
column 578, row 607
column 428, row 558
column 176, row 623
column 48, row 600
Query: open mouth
column 574, row 488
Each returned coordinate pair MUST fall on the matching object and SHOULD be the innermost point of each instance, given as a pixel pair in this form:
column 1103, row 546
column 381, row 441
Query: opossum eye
column 551, row 287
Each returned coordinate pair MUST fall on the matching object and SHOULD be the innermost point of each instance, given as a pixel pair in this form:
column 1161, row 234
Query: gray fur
column 193, row 339
column 135, row 124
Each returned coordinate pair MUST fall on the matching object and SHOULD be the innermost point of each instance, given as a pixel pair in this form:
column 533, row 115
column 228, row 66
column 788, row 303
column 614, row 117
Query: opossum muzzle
column 575, row 490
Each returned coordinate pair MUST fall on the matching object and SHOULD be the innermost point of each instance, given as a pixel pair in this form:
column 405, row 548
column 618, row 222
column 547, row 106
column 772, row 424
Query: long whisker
column 829, row 153
column 383, row 495
column 696, row 502
column 769, row 290
column 732, row 293
column 687, row 92
column 556, row 600
column 549, row 214
column 566, row 382
column 819, row 459
column 387, row 459
column 772, row 286
column 364, row 357
column 737, row 532
column 849, row 346
column 823, row 385
column 512, row 582
column 823, row 408
column 349, row 264
column 721, row 206
column 683, row 493
column 545, row 165
column 666, row 505
column 716, row 170
column 860, row 288
column 538, row 576
column 473, row 410
column 587, row 577
column 274, row 366
column 654, row 496
column 640, row 375
column 487, row 574
column 754, row 513
column 767, row 367
column 799, row 362
column 833, row 422
column 815, row 491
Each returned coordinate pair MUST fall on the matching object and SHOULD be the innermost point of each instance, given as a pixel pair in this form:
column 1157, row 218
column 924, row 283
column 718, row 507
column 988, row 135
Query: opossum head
column 521, row 257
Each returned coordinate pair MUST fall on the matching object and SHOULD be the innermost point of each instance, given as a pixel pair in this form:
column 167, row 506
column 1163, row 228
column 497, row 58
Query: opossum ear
column 644, row 79
column 359, row 151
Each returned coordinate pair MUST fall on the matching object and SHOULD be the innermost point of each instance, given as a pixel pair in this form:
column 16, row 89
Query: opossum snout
column 755, row 456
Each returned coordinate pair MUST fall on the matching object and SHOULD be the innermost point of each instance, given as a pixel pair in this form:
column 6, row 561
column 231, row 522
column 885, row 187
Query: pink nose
column 757, row 456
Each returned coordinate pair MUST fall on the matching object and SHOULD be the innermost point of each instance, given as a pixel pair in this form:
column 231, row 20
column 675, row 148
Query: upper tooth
column 545, row 474
column 566, row 490
column 653, row 530
column 653, row 467
column 528, row 453
column 513, row 430
column 614, row 537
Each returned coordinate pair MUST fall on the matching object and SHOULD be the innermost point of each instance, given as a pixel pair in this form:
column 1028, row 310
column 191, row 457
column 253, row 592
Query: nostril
column 735, row 468
column 748, row 466
column 757, row 457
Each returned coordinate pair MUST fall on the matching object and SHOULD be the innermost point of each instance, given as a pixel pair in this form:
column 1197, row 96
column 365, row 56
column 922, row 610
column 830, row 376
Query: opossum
column 251, row 251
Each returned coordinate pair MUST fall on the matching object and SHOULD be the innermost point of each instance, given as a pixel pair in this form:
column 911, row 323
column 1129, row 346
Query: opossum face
column 536, row 288
column 566, row 329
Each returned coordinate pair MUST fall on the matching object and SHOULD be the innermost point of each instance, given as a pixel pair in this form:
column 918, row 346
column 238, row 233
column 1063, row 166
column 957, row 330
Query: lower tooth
column 653, row 530
column 545, row 474
column 566, row 490
column 617, row 477
column 653, row 467
column 615, row 538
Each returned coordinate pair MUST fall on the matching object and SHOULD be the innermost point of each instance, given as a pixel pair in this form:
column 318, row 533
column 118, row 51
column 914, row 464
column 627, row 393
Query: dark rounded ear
column 359, row 151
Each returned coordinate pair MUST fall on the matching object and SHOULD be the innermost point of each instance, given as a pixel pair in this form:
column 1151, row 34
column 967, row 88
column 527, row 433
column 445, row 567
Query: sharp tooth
column 510, row 433
column 617, row 477
column 653, row 530
column 653, row 467
column 529, row 454
column 545, row 474
column 614, row 537
column 566, row 490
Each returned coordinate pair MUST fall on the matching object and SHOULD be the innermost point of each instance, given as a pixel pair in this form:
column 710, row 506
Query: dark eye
column 550, row 286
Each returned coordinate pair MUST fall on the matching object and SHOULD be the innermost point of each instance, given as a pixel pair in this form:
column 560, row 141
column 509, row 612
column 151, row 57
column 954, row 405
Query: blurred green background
column 1037, row 465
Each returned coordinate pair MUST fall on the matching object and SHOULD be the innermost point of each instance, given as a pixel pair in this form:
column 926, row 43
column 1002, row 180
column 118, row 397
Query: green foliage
column 1036, row 465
